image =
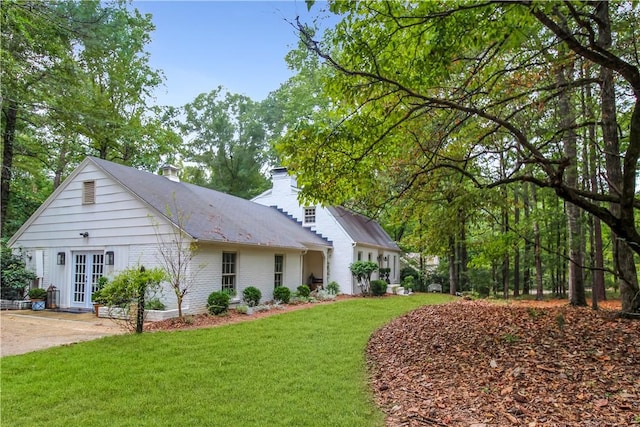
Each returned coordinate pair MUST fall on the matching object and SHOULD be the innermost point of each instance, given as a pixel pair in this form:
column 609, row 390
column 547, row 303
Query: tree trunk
column 463, row 256
column 570, row 141
column 516, row 256
column 622, row 253
column 526, row 274
column 537, row 251
column 8, row 140
column 453, row 273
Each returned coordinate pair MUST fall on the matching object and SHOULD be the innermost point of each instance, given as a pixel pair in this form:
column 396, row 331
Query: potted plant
column 37, row 297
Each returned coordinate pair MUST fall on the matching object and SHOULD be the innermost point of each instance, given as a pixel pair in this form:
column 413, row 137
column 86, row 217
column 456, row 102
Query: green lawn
column 302, row 368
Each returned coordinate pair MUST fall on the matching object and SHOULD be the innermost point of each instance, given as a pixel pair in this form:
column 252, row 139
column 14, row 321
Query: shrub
column 304, row 291
column 218, row 302
column 38, row 293
column 252, row 296
column 378, row 287
column 333, row 288
column 14, row 277
column 154, row 304
column 408, row 283
column 282, row 294
column 242, row 309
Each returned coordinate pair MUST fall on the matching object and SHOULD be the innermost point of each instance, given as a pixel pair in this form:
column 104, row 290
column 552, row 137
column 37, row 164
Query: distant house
column 106, row 217
column 354, row 237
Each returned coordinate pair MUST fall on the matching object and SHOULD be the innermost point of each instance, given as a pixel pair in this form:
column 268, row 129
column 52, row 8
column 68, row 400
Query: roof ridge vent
column 170, row 172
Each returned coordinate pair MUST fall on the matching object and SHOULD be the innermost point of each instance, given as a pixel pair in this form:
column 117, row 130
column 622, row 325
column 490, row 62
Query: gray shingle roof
column 362, row 229
column 214, row 216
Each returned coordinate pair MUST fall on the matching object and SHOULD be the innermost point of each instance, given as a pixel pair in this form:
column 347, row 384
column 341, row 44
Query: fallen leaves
column 476, row 363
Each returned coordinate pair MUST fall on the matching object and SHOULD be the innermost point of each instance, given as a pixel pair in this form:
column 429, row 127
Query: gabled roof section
column 213, row 216
column 362, row 229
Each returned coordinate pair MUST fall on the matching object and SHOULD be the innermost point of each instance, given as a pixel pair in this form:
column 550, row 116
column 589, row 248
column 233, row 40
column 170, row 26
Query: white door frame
column 88, row 267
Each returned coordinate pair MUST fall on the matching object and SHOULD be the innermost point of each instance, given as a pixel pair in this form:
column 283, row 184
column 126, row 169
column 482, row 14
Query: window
column 310, row 215
column 88, row 192
column 359, row 255
column 229, row 272
column 369, row 256
column 278, row 269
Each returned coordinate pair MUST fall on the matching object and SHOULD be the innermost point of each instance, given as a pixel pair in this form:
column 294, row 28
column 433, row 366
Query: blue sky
column 239, row 45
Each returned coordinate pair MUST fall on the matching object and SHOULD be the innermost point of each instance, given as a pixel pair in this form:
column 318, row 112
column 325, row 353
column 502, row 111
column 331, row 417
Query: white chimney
column 170, row 172
column 282, row 181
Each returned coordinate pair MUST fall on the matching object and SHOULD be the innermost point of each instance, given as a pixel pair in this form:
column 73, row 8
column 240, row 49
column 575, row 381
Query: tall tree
column 35, row 52
column 76, row 82
column 227, row 137
column 568, row 122
column 396, row 64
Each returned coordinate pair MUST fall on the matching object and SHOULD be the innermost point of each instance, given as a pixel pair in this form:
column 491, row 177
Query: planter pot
column 37, row 304
column 96, row 308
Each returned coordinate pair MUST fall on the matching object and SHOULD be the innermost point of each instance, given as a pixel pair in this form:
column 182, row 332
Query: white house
column 106, row 217
column 354, row 237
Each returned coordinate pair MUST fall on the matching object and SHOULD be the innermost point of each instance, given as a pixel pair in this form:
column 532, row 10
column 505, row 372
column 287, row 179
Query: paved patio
column 23, row 331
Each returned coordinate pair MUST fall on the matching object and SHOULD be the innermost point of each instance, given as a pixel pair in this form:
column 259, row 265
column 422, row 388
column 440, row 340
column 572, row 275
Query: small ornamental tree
column 177, row 253
column 128, row 289
column 362, row 271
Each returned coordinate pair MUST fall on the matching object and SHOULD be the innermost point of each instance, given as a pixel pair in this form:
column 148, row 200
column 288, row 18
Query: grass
column 304, row 367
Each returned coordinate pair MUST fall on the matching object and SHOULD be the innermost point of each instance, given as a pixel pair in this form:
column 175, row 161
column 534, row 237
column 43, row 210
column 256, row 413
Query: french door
column 88, row 267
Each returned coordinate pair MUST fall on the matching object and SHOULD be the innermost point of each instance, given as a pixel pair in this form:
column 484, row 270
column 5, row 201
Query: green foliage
column 227, row 139
column 304, row 291
column 251, row 295
column 333, row 287
column 510, row 338
column 131, row 284
column 14, row 276
column 76, row 82
column 282, row 294
column 408, row 283
column 96, row 296
column 37, row 293
column 218, row 302
column 154, row 304
column 378, row 288
column 449, row 168
column 409, row 271
column 483, row 290
column 362, row 271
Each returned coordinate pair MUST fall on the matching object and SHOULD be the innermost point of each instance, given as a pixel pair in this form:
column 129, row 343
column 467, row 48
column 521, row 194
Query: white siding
column 117, row 217
column 342, row 255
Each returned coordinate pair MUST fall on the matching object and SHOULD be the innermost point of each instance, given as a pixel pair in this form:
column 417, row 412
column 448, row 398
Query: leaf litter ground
column 482, row 364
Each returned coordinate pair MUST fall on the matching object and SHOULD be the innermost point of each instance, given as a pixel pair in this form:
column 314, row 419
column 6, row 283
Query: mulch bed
column 482, row 364
column 209, row 320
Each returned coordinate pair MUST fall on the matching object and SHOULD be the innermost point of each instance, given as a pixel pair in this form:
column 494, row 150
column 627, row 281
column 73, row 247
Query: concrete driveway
column 22, row 331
